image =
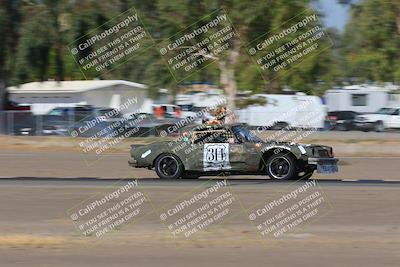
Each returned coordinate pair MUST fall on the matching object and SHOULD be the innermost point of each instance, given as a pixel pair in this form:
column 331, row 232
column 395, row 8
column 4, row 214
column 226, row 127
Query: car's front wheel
column 281, row 166
column 168, row 166
column 379, row 127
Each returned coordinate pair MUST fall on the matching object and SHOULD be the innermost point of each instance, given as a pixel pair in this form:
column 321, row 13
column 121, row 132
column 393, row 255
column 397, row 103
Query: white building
column 362, row 98
column 44, row 96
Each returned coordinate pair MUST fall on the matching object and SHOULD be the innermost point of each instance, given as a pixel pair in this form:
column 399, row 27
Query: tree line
column 35, row 37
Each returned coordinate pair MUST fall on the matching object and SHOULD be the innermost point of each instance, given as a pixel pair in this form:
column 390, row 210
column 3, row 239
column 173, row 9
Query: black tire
column 379, row 127
column 168, row 166
column 281, row 166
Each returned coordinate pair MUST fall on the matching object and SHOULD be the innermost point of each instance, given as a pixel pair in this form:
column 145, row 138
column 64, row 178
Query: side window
column 67, row 112
column 346, row 116
column 396, row 112
column 391, row 96
column 359, row 100
column 244, row 135
column 56, row 112
column 81, row 114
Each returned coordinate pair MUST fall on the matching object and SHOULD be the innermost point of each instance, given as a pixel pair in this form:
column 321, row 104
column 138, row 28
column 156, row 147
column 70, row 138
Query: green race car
column 233, row 150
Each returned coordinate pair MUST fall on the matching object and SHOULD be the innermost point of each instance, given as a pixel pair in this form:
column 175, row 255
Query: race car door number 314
column 216, row 157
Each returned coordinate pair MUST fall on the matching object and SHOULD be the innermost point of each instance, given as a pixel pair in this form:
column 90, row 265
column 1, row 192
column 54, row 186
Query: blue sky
column 336, row 15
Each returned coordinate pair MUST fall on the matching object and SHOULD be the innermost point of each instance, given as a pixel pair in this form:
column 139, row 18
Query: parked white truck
column 383, row 119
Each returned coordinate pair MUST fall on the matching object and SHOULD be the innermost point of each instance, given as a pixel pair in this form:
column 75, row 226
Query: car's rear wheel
column 281, row 166
column 168, row 166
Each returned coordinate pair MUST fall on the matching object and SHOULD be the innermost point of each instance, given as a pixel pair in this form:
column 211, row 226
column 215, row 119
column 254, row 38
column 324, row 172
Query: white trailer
column 199, row 100
column 361, row 98
column 297, row 111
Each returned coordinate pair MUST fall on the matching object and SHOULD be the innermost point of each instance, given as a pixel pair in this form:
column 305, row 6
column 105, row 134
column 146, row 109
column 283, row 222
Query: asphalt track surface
column 71, row 164
column 359, row 227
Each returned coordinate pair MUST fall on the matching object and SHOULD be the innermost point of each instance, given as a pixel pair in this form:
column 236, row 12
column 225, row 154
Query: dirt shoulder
column 344, row 143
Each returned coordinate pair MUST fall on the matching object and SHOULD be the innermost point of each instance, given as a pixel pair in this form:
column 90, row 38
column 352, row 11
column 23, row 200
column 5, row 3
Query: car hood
column 308, row 149
column 371, row 117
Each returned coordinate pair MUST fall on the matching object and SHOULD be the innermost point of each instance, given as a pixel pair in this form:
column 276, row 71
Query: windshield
column 243, row 133
column 386, row 111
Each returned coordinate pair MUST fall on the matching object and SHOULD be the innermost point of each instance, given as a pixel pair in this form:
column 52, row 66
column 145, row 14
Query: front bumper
column 133, row 162
column 325, row 165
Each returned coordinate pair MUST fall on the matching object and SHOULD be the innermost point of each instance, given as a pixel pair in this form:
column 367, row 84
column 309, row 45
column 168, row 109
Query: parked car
column 231, row 149
column 342, row 120
column 60, row 120
column 383, row 119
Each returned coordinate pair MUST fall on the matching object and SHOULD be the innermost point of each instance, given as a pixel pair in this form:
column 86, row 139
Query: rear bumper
column 325, row 165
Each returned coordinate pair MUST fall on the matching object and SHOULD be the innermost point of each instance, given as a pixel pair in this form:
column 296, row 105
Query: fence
column 19, row 122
